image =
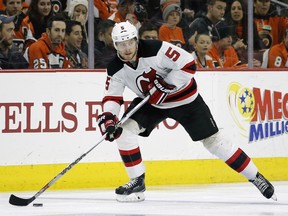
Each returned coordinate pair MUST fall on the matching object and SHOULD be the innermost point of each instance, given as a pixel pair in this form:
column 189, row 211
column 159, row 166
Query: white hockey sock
column 243, row 164
column 129, row 149
column 234, row 157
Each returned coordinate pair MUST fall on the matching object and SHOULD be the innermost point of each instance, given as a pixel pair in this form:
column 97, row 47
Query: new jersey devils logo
column 145, row 79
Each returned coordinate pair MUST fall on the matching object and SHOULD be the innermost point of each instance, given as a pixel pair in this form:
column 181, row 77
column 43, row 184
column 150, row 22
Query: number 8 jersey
column 154, row 59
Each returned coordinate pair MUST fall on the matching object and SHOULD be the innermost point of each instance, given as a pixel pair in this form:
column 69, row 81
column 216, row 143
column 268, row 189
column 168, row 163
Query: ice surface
column 214, row 199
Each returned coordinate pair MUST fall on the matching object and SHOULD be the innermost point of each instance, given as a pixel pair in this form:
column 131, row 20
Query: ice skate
column 133, row 191
column 264, row 186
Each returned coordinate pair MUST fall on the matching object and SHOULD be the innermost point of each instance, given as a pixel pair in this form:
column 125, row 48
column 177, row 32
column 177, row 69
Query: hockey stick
column 17, row 201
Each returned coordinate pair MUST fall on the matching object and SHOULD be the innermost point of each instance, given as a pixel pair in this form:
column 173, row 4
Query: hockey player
column 166, row 72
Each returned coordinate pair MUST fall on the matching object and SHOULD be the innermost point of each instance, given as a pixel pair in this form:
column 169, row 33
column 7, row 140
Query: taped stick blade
column 17, row 201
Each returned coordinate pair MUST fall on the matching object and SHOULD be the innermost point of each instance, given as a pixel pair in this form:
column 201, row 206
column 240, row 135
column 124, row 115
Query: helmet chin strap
column 124, row 60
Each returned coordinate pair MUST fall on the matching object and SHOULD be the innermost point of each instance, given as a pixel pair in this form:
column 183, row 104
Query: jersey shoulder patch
column 148, row 48
column 114, row 66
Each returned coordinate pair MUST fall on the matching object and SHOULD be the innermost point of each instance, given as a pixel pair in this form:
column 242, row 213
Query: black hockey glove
column 107, row 122
column 159, row 90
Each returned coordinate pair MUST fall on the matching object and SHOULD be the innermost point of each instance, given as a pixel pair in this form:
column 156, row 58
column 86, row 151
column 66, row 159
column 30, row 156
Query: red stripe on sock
column 129, row 152
column 234, row 156
column 244, row 165
column 134, row 163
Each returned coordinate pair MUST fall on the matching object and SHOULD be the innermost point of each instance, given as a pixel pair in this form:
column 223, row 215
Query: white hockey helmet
column 123, row 31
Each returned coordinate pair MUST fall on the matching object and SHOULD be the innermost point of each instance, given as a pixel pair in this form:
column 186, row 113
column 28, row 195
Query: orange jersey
column 228, row 60
column 106, row 8
column 40, row 54
column 26, row 32
column 116, row 17
column 207, row 64
column 2, row 6
column 278, row 56
column 174, row 36
column 276, row 25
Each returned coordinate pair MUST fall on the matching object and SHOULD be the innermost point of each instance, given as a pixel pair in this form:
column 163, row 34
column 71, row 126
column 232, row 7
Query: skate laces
column 264, row 186
column 260, row 183
column 131, row 183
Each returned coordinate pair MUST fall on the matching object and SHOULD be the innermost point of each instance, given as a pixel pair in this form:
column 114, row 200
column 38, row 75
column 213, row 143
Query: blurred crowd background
column 238, row 34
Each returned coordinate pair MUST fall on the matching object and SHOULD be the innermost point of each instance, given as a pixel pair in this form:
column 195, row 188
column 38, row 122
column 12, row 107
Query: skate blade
column 274, row 197
column 134, row 197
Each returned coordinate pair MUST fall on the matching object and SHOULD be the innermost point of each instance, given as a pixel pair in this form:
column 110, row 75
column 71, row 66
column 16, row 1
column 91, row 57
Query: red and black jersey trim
column 190, row 67
column 238, row 161
column 118, row 100
column 188, row 91
column 131, row 157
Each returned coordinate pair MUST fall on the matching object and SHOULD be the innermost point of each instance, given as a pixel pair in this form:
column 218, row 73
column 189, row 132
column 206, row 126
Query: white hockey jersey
column 154, row 58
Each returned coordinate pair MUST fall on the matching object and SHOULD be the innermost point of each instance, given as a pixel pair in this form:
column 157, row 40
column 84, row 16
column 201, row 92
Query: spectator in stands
column 203, row 44
column 104, row 8
column 10, row 57
column 278, row 54
column 169, row 31
column 126, row 11
column 270, row 27
column 236, row 19
column 73, row 40
column 222, row 52
column 124, row 7
column 49, row 50
column 12, row 7
column 104, row 49
column 78, row 11
column 15, row 8
column 157, row 19
column 205, row 22
column 34, row 24
column 148, row 31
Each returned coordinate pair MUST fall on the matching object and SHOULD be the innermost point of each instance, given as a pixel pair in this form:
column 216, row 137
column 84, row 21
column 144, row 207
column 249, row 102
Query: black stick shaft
column 17, row 201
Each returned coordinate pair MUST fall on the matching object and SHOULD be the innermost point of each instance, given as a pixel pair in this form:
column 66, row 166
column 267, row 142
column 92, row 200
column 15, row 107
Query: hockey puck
column 38, row 204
